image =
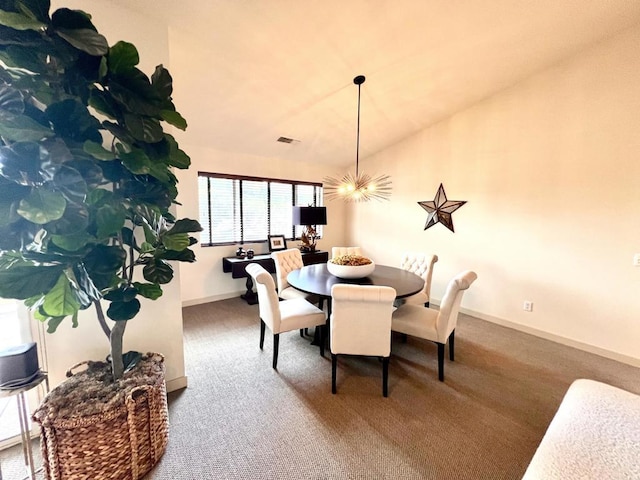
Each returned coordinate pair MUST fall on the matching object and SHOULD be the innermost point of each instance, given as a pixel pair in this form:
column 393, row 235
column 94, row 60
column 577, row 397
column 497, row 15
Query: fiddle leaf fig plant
column 86, row 172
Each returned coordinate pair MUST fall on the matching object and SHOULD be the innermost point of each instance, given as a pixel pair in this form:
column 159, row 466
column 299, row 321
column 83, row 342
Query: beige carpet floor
column 240, row 419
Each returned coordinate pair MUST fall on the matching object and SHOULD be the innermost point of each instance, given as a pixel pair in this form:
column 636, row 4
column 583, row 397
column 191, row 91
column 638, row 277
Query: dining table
column 316, row 279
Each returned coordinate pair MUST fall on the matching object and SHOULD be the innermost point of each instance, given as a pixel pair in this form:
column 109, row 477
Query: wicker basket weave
column 122, row 442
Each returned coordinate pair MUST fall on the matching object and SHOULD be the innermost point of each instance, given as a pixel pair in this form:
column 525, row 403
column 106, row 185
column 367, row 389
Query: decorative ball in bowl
column 351, row 266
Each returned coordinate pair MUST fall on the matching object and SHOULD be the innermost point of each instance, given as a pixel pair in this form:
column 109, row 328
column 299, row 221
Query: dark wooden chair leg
column 323, row 333
column 385, row 376
column 262, row 328
column 441, row 362
column 452, row 338
column 334, row 366
column 276, row 342
column 302, row 332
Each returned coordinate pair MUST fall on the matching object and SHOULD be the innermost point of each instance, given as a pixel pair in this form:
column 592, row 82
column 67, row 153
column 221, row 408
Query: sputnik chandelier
column 358, row 187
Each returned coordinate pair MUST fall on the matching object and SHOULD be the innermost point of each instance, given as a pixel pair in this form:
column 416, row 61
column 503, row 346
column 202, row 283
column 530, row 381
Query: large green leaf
column 185, row 225
column 61, row 300
column 69, row 181
column 175, row 241
column 87, row 291
column 101, row 101
column 86, row 40
column 21, row 163
column 36, row 9
column 151, row 291
column 102, row 263
column 97, row 151
column 26, row 38
column 177, row 157
column 158, row 271
column 91, row 173
column 42, row 206
column 162, row 82
column 21, row 128
column 136, row 162
column 71, row 119
column 52, row 323
column 74, row 221
column 11, row 100
column 143, row 128
column 109, row 219
column 124, row 293
column 174, row 118
column 122, row 56
column 120, row 311
column 185, row 255
column 72, row 19
column 76, row 28
column 73, row 242
column 21, row 282
column 19, row 21
column 133, row 92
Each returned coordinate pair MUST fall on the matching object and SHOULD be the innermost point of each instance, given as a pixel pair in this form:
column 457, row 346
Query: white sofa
column 595, row 434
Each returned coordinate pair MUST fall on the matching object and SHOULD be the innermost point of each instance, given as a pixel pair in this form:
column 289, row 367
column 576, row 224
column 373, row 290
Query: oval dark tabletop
column 317, row 279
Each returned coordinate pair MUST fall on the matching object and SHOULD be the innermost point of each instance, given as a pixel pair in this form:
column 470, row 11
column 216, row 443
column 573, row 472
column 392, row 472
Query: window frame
column 318, row 196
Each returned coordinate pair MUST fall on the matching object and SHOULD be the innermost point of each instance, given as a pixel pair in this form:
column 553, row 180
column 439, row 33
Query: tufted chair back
column 450, row 305
column 267, row 296
column 339, row 251
column 421, row 264
column 361, row 319
column 286, row 261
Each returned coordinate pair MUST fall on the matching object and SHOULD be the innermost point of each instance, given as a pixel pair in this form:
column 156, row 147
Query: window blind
column 237, row 209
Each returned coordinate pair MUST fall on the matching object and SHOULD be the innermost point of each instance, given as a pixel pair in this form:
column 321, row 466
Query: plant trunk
column 117, row 333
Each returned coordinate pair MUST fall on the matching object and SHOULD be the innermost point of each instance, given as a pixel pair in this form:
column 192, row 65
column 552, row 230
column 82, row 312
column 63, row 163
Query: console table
column 236, row 267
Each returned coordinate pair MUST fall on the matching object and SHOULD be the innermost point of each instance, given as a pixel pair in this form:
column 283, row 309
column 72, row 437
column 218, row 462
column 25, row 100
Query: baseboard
column 585, row 347
column 213, row 298
column 177, row 383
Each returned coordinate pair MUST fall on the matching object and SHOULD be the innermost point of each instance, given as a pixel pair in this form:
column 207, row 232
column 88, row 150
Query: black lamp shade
column 309, row 215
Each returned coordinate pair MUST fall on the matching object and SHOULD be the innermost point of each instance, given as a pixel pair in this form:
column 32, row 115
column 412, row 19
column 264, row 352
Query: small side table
column 20, row 393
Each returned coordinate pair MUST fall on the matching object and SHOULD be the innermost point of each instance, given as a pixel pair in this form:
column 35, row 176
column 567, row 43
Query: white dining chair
column 360, row 324
column 339, row 251
column 286, row 261
column 438, row 326
column 283, row 315
column 422, row 265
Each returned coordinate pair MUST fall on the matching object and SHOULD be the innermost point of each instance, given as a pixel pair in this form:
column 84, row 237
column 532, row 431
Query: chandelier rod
column 359, row 80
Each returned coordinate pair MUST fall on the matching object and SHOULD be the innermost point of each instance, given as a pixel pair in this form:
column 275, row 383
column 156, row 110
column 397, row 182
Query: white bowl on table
column 350, row 271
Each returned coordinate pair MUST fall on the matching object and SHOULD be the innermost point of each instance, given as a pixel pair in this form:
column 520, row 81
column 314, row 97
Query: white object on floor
column 594, row 434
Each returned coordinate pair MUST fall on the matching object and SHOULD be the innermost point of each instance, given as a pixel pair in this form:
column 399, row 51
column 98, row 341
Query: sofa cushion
column 594, row 434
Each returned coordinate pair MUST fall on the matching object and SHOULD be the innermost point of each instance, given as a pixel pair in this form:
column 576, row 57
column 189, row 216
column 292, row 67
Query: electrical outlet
column 636, row 260
column 527, row 306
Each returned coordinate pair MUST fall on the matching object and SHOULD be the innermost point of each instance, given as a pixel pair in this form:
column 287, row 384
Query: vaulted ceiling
column 249, row 71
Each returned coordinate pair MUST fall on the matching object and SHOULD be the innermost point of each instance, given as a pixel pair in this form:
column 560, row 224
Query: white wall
column 204, row 280
column 550, row 171
column 158, row 327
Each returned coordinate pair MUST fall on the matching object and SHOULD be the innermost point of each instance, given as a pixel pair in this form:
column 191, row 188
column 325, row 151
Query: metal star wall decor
column 440, row 209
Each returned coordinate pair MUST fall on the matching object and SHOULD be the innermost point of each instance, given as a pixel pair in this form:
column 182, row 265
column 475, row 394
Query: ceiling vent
column 287, row 140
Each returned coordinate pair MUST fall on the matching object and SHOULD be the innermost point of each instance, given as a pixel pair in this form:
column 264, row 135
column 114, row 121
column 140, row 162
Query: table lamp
column 309, row 217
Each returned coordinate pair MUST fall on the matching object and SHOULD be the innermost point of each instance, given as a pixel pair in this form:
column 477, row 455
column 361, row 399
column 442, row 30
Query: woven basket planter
column 94, row 429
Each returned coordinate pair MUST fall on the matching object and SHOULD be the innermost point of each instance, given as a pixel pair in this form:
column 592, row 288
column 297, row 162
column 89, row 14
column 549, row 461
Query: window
column 239, row 209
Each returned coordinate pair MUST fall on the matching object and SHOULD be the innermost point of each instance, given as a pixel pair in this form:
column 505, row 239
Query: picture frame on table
column 276, row 242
